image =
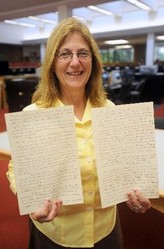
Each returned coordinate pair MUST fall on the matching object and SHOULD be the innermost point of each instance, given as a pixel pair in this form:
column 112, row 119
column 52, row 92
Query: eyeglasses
column 67, row 55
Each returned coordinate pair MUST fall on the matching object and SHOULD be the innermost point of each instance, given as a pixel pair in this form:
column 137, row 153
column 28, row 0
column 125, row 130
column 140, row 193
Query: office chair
column 19, row 92
column 137, row 95
column 159, row 123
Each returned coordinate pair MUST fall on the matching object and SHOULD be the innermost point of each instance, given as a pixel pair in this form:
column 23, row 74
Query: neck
column 78, row 101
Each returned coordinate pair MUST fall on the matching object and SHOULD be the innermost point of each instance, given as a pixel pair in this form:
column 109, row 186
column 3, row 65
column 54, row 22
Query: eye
column 84, row 54
column 64, row 55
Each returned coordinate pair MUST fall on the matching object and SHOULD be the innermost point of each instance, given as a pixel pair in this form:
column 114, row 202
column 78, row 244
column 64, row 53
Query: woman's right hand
column 48, row 212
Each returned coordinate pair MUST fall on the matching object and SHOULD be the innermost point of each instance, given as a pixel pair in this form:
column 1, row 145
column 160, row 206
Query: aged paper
column 124, row 138
column 45, row 158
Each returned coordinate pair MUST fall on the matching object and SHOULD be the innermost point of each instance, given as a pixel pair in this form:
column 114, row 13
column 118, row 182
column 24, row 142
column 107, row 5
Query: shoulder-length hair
column 48, row 89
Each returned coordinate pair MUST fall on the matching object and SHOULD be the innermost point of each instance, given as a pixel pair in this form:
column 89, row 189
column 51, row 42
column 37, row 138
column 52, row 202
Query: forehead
column 74, row 40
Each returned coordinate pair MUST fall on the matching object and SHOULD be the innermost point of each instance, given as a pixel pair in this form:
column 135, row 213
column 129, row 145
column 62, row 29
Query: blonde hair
column 48, row 89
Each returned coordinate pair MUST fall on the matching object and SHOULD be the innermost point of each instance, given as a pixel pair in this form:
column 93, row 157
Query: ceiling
column 125, row 21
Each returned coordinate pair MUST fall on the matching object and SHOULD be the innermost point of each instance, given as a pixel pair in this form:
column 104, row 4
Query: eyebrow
column 68, row 49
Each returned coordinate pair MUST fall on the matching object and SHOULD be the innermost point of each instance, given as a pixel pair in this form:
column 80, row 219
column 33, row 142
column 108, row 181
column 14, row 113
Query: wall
column 31, row 53
column 10, row 52
column 11, row 34
column 140, row 53
column 17, row 53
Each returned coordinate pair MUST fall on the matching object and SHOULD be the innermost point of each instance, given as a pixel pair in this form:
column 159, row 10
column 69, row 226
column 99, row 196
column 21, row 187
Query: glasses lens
column 65, row 55
column 84, row 55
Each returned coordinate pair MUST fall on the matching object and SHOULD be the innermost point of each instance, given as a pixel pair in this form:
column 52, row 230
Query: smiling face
column 73, row 73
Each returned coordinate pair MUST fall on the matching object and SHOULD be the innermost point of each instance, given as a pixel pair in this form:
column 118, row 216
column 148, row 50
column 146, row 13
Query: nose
column 74, row 59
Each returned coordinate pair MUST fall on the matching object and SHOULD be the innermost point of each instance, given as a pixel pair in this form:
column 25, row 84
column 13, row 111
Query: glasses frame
column 71, row 55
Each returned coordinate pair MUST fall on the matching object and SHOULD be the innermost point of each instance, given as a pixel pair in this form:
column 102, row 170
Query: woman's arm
column 11, row 178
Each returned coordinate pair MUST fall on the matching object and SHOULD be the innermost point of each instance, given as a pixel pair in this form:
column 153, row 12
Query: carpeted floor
column 13, row 227
column 2, row 120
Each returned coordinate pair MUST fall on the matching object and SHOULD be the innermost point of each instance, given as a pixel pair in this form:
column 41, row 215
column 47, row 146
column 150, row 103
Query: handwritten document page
column 45, row 158
column 124, row 138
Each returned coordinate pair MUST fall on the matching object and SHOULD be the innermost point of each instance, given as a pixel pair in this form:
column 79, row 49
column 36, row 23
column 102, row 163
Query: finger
column 42, row 212
column 59, row 204
column 142, row 200
column 42, row 220
column 56, row 206
column 137, row 202
column 132, row 199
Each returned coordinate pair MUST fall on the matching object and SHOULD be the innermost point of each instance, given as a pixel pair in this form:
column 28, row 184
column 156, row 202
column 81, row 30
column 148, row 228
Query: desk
column 19, row 92
column 114, row 91
column 160, row 158
column 4, row 146
column 153, row 86
column 158, row 204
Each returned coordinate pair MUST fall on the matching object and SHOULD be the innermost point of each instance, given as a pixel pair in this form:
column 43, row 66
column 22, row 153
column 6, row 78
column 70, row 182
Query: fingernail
column 48, row 199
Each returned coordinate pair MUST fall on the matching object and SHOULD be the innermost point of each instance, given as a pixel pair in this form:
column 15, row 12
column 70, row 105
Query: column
column 42, row 51
column 150, row 43
column 63, row 12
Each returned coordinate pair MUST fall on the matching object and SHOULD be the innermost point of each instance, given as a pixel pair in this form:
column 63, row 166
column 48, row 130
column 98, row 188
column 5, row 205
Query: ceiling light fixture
column 20, row 23
column 80, row 18
column 114, row 42
column 160, row 37
column 139, row 4
column 42, row 20
column 123, row 47
column 102, row 11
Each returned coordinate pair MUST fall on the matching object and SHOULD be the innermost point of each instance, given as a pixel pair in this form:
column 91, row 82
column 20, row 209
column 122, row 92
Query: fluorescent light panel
column 20, row 23
column 114, row 42
column 139, row 4
column 42, row 20
column 100, row 10
column 80, row 18
column 123, row 46
column 160, row 37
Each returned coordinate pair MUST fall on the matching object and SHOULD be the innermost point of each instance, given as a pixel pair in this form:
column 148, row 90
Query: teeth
column 75, row 74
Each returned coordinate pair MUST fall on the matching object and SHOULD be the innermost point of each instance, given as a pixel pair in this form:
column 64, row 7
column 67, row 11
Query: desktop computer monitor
column 144, row 69
column 115, row 76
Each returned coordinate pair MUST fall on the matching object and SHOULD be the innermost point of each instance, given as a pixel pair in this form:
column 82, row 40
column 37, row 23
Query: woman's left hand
column 137, row 202
column 48, row 212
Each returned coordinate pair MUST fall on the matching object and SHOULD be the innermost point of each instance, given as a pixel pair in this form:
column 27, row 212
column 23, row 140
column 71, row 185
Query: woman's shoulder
column 31, row 107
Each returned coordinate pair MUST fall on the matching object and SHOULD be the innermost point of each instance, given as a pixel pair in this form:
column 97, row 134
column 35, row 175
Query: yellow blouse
column 85, row 224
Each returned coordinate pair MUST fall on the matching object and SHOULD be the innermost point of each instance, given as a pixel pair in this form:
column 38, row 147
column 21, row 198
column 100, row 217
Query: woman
column 71, row 75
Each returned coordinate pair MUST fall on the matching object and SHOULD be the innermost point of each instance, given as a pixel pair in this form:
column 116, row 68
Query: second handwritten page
column 124, row 138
